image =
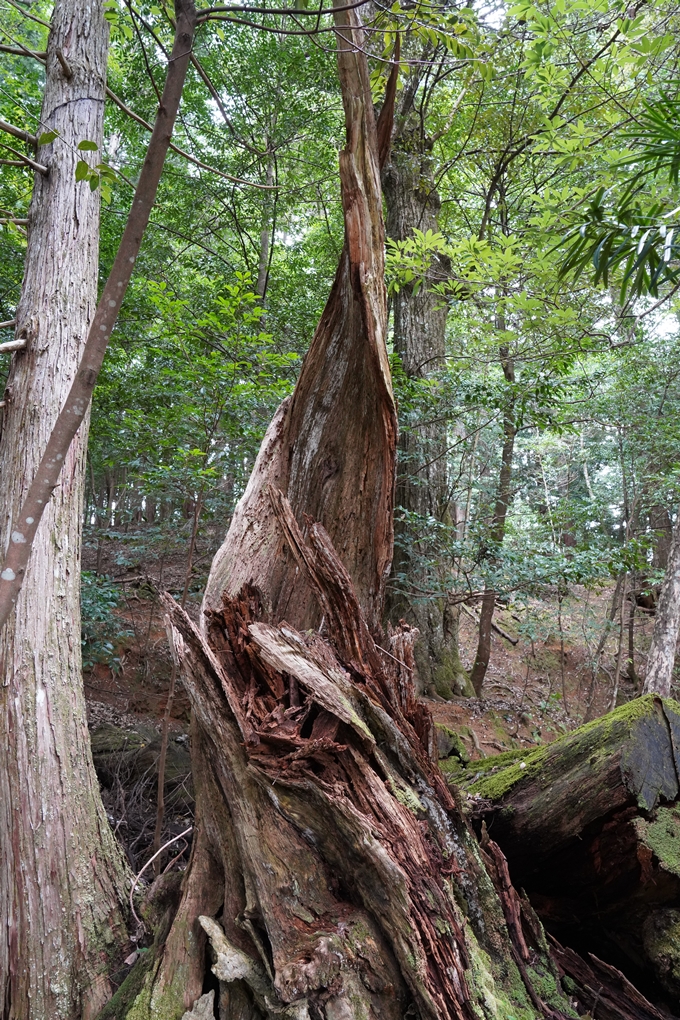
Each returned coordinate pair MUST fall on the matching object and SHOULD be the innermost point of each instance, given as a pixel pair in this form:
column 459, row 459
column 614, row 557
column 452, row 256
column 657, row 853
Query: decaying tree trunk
column 61, row 872
column 590, row 826
column 420, row 317
column 331, row 870
column 341, row 878
column 661, row 657
column 331, row 446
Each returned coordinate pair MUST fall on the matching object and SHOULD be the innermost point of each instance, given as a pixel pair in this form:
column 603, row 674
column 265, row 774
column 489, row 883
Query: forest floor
column 539, row 684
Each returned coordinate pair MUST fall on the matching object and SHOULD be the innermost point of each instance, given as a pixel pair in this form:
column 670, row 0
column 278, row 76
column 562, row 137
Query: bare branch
column 12, row 345
column 25, row 13
column 6, row 325
column 19, row 133
column 293, row 12
column 19, row 52
column 65, row 66
column 186, row 155
column 38, row 167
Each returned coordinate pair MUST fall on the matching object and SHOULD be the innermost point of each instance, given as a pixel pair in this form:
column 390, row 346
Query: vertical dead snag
column 352, row 887
column 331, row 448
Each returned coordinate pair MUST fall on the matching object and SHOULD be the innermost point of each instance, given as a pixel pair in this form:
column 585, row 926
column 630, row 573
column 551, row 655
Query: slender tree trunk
column 661, row 656
column 497, row 530
column 661, row 524
column 422, row 480
column 266, row 235
column 61, row 873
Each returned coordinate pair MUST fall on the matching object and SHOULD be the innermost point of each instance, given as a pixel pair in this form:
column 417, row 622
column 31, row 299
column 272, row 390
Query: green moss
column 661, row 939
column 503, row 999
column 546, row 987
column 405, row 796
column 450, row 744
column 494, row 783
column 493, row 777
column 450, row 678
column 662, row 836
column 129, row 991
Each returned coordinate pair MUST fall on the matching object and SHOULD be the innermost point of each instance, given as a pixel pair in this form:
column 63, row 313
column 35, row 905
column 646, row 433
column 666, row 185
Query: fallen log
column 590, row 826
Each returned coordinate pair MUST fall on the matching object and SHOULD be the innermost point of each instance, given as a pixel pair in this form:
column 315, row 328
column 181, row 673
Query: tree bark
column 420, row 317
column 61, row 873
column 589, row 826
column 661, row 658
column 39, row 492
column 331, row 870
column 662, row 526
column 352, row 886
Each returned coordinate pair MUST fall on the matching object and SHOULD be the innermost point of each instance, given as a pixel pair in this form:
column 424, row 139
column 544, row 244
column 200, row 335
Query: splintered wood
column 331, row 733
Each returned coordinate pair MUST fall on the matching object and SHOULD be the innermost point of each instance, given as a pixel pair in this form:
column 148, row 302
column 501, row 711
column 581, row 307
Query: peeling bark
column 334, row 464
column 332, row 872
column 352, row 885
column 661, row 657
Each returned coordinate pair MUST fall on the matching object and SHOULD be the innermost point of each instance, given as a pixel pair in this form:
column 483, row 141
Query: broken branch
column 24, row 136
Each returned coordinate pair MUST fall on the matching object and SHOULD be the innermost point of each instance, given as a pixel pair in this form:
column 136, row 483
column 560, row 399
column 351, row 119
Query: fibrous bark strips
column 348, row 868
column 330, row 867
column 331, row 448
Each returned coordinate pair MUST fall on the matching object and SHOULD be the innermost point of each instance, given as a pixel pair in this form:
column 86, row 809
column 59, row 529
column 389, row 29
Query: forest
column 340, row 510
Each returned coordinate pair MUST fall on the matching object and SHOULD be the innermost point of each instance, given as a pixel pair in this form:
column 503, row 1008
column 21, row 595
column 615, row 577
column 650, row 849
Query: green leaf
column 47, row 136
column 94, row 182
column 82, row 170
column 86, row 146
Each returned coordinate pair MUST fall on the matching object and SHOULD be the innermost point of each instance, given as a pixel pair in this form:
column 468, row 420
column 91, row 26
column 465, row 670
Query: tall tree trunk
column 331, row 869
column 422, row 480
column 662, row 526
column 497, row 530
column 61, row 874
column 661, row 658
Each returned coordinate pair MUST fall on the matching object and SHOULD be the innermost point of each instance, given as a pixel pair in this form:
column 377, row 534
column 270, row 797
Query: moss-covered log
column 590, row 826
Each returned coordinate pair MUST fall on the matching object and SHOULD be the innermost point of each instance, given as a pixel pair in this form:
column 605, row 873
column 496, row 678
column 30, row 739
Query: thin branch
column 225, row 116
column 291, row 12
column 11, row 345
column 24, row 136
column 38, row 167
column 186, row 155
column 137, row 877
column 27, row 15
column 16, row 51
column 65, row 66
column 6, row 325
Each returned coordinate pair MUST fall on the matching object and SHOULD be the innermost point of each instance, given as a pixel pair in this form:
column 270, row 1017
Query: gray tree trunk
column 661, row 656
column 61, row 874
column 422, row 480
